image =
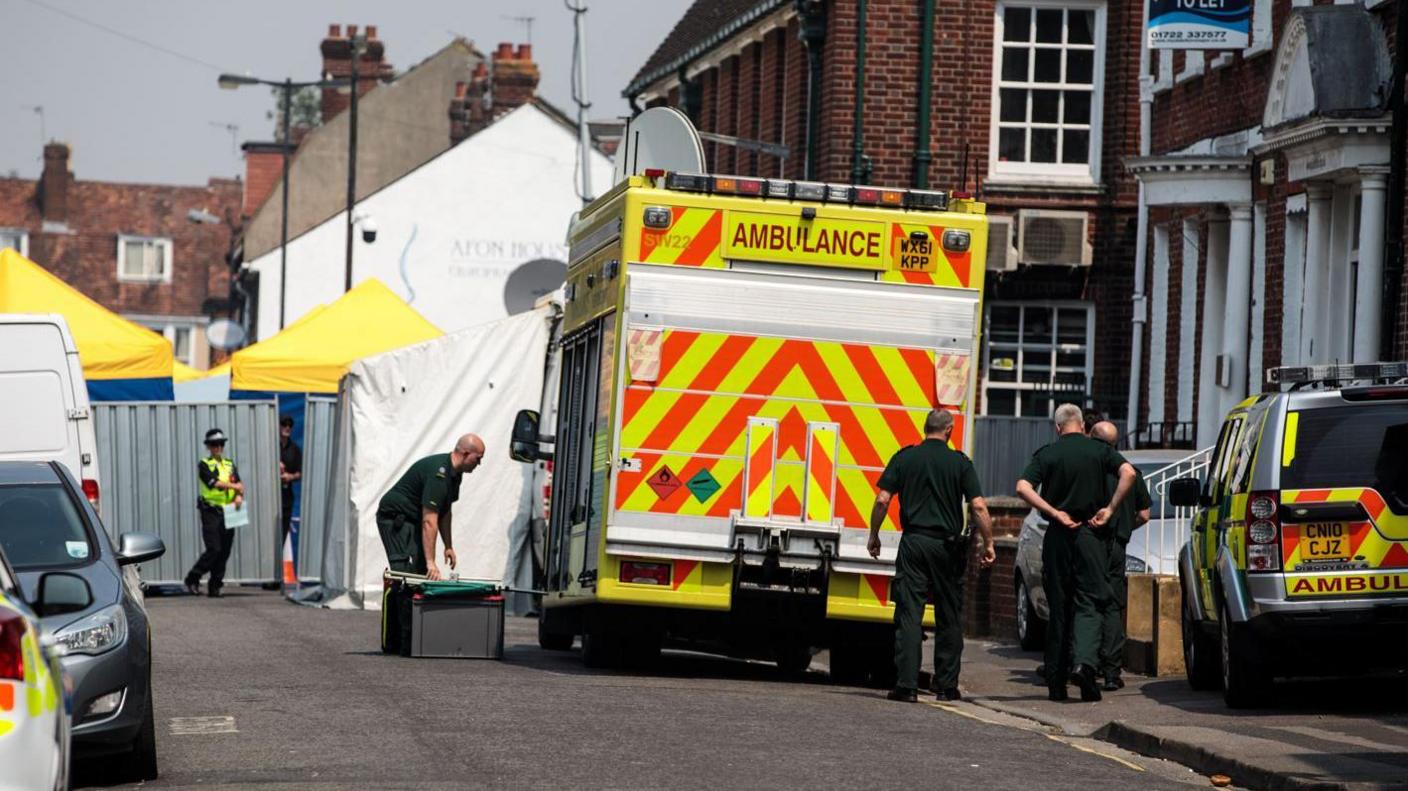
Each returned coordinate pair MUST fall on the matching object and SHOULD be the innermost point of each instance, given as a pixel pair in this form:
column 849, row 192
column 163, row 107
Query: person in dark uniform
column 1132, row 513
column 220, row 485
column 411, row 515
column 1071, row 474
column 932, row 481
column 290, row 470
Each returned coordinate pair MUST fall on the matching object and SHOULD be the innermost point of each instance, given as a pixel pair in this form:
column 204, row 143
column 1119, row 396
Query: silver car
column 1153, row 548
column 50, row 532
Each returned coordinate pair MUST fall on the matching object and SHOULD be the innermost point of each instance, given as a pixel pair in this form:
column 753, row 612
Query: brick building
column 1032, row 105
column 155, row 253
column 1270, row 235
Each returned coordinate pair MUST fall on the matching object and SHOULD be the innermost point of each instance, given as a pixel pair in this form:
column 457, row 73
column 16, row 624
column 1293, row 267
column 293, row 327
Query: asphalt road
column 300, row 696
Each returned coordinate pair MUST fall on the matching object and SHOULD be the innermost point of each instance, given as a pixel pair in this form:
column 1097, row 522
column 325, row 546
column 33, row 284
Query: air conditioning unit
column 1002, row 253
column 1049, row 237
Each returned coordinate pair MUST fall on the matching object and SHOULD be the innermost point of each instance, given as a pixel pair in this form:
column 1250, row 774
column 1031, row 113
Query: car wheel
column 1244, row 681
column 553, row 641
column 792, row 657
column 1030, row 629
column 140, row 764
column 1198, row 652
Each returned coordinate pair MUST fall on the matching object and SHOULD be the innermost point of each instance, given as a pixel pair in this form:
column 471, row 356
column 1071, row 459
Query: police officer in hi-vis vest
column 219, row 486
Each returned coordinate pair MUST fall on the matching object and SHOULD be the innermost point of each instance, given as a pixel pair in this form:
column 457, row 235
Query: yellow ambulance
column 739, row 359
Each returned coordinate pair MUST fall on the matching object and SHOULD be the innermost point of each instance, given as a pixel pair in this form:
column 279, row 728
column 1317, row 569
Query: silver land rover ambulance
column 1297, row 561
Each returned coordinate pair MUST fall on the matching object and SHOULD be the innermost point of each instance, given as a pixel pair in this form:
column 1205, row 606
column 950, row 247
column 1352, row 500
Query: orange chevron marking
column 682, row 570
column 787, row 504
column 1396, row 557
column 705, row 242
column 962, row 263
column 879, row 585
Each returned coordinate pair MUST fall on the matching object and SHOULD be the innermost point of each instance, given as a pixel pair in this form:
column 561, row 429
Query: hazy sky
column 133, row 112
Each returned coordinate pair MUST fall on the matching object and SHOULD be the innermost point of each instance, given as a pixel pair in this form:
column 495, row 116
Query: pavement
column 253, row 691
column 1319, row 735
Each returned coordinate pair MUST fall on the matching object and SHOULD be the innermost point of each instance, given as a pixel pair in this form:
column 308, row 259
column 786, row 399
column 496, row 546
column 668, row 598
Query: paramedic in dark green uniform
column 1071, row 473
column 409, row 517
column 417, row 508
column 1132, row 513
column 932, row 481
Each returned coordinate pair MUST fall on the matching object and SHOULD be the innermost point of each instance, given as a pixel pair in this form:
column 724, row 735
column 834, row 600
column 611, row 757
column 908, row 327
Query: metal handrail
column 1178, row 520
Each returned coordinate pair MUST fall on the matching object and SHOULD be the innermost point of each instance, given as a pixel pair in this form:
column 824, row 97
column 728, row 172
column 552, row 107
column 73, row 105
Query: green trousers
column 1074, row 576
column 404, row 552
column 929, row 565
column 1112, row 628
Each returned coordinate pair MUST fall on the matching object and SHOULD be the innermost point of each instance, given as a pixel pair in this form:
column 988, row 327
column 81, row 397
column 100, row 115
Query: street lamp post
column 359, row 43
column 287, row 86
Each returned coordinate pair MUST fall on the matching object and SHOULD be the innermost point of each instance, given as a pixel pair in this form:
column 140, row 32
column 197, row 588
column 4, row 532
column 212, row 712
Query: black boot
column 903, row 695
column 1089, row 689
column 193, row 585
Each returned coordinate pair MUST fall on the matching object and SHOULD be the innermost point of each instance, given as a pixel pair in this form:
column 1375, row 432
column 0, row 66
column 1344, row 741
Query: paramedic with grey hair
column 932, row 481
column 1077, row 505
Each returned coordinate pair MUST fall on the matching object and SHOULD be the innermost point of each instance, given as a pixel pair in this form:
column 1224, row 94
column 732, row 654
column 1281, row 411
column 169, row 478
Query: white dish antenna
column 660, row 138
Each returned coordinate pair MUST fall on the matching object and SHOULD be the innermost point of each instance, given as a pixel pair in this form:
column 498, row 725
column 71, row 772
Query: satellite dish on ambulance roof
column 659, row 138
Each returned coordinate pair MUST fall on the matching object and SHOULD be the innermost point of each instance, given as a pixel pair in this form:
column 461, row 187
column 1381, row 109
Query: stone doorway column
column 1368, row 297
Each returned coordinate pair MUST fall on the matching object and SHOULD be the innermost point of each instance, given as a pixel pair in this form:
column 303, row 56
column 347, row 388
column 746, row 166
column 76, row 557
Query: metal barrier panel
column 319, row 425
column 1002, row 446
column 148, row 453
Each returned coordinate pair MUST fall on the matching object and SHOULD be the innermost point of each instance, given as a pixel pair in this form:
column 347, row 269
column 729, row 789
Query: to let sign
column 1200, row 24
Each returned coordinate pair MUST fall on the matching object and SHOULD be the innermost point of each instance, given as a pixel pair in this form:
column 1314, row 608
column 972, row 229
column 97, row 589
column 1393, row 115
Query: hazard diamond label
column 664, row 482
column 703, row 485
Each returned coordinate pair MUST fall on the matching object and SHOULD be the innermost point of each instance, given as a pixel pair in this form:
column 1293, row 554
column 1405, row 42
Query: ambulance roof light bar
column 921, row 200
column 1303, row 375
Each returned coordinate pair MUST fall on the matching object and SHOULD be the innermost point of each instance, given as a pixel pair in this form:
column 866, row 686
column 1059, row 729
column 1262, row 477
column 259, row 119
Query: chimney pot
column 351, row 31
column 53, row 193
column 460, row 90
column 481, row 71
column 371, row 32
column 334, row 31
column 525, row 51
column 504, row 52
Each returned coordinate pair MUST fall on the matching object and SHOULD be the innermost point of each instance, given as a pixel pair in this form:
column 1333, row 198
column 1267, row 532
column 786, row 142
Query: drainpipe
column 1141, row 237
column 1398, row 147
column 858, row 168
column 691, row 96
column 920, row 179
column 813, row 35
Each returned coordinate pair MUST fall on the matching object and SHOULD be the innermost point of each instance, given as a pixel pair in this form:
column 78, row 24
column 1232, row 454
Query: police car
column 1297, row 559
column 34, row 717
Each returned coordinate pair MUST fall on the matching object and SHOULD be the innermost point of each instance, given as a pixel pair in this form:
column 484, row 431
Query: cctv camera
column 368, row 225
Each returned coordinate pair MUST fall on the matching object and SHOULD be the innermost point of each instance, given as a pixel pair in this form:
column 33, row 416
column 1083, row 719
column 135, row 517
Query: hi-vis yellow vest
column 223, row 469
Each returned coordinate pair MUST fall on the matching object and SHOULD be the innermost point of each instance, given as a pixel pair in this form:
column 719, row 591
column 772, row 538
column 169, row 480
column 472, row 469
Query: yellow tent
column 312, row 354
column 180, row 372
column 120, row 359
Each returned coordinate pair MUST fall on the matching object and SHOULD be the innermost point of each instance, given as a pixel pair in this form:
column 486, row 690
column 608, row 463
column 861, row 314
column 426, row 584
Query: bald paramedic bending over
column 417, row 508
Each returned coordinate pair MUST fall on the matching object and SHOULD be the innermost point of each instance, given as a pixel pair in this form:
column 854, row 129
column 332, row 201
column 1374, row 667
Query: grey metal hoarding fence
column 147, row 452
column 1003, row 445
column 319, row 425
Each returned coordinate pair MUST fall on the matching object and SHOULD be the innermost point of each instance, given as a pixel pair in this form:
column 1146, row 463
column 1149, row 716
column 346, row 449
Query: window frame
column 1053, row 348
column 166, row 264
column 1048, row 173
column 22, row 234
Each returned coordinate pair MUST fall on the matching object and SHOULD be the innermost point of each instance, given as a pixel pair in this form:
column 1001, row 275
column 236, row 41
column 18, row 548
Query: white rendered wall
column 451, row 231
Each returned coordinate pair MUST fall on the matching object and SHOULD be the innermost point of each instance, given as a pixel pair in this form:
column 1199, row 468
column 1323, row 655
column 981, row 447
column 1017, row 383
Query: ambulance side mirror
column 526, row 443
column 1185, row 492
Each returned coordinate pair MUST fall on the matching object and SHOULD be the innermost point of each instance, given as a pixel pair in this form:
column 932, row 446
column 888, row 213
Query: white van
column 44, row 412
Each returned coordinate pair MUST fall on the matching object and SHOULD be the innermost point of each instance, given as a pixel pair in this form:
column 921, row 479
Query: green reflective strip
column 1288, row 444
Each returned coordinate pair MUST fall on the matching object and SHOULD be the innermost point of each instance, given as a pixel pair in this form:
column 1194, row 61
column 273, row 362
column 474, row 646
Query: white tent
column 397, row 407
